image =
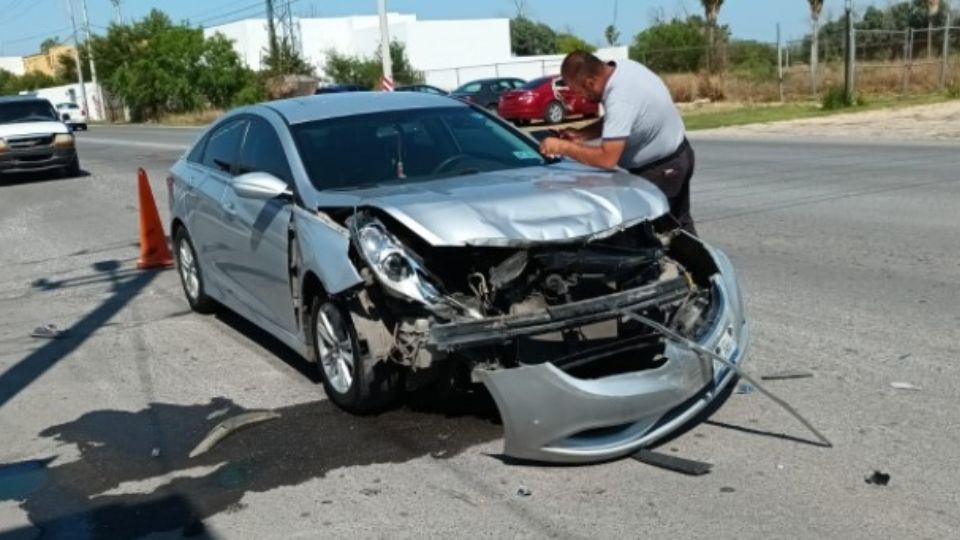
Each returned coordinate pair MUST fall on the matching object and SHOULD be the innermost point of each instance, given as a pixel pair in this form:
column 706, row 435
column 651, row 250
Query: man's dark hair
column 579, row 65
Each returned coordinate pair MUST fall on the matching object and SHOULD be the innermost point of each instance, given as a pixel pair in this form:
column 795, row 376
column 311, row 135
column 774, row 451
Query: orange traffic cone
column 154, row 252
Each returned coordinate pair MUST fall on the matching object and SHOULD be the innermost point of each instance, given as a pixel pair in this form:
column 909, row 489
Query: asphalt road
column 849, row 255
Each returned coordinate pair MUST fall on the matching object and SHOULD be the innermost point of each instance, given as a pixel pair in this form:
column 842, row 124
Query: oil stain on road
column 307, row 442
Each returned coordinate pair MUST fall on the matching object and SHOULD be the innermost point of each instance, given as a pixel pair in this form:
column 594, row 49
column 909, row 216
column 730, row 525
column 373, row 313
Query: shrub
column 835, row 98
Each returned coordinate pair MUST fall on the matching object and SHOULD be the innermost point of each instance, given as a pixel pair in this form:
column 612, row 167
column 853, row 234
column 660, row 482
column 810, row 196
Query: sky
column 25, row 23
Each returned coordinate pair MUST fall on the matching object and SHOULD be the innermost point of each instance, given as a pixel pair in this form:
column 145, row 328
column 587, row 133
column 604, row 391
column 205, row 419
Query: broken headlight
column 397, row 270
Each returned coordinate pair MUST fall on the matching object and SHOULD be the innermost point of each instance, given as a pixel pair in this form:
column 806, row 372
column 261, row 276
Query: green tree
column 49, row 43
column 366, row 71
column 567, row 43
column 674, row 46
column 286, row 61
column 711, row 9
column 158, row 67
column 66, row 66
column 612, row 35
column 528, row 38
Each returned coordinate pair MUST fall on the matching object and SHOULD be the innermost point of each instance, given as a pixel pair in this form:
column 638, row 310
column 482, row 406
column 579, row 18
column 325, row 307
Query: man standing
column 641, row 129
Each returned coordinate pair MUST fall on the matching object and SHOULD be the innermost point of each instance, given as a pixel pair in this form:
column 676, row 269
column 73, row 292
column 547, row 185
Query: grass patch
column 198, row 118
column 707, row 118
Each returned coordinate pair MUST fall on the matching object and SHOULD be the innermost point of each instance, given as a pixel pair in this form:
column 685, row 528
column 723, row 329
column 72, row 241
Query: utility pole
column 779, row 63
column 76, row 57
column 271, row 31
column 851, row 51
column 946, row 51
column 97, row 98
column 117, row 12
column 386, row 82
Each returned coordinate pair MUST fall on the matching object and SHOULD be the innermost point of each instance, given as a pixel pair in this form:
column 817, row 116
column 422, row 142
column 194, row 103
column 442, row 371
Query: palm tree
column 711, row 9
column 933, row 7
column 816, row 6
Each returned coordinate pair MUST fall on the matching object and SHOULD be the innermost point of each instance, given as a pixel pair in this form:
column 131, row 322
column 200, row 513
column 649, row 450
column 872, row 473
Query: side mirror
column 261, row 186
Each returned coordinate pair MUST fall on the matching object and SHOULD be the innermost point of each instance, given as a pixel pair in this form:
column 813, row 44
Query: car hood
column 525, row 206
column 32, row 128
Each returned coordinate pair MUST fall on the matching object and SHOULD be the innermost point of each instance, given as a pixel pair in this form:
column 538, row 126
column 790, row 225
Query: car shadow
column 13, row 179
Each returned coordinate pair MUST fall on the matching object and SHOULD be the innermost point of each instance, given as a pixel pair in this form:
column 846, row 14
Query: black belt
column 684, row 146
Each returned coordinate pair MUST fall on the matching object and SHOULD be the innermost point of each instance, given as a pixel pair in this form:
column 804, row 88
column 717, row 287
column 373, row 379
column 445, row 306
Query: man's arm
column 605, row 156
column 586, row 133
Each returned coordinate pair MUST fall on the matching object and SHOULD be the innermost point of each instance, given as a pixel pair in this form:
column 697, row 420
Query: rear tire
column 191, row 277
column 554, row 113
column 354, row 381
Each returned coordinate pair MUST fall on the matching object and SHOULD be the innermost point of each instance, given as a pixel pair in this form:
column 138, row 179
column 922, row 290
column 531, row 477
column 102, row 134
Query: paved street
column 849, row 256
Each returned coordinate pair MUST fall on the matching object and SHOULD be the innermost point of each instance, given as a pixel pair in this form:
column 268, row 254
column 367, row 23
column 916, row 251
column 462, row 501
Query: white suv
column 73, row 115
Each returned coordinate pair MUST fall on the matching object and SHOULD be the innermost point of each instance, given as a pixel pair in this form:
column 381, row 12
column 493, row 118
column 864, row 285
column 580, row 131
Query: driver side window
column 263, row 152
column 223, row 145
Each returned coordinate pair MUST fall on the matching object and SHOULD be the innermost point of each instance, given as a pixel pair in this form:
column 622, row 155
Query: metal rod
column 699, row 350
column 76, row 57
column 97, row 97
column 946, row 52
column 385, row 45
column 780, row 63
column 848, row 60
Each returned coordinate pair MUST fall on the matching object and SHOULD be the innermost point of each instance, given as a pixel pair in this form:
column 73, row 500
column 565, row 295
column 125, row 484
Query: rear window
column 534, row 84
column 13, row 112
column 470, row 87
column 408, row 146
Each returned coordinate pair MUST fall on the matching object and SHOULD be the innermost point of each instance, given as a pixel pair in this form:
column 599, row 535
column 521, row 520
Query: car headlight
column 3, row 145
column 394, row 268
column 63, row 140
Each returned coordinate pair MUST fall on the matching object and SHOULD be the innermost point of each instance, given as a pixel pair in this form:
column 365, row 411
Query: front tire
column 191, row 277
column 554, row 113
column 73, row 169
column 352, row 380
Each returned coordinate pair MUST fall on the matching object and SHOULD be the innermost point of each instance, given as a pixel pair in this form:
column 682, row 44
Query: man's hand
column 553, row 146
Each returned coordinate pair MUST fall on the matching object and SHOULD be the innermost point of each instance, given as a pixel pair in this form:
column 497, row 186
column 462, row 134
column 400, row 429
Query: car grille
column 32, row 141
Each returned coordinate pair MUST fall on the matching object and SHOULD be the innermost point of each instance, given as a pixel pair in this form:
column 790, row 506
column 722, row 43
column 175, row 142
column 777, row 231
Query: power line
column 36, row 36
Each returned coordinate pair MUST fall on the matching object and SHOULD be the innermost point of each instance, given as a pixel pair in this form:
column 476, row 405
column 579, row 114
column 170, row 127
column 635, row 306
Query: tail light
column 527, row 97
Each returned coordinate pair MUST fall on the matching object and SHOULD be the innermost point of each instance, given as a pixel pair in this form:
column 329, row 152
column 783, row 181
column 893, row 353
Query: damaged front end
column 545, row 326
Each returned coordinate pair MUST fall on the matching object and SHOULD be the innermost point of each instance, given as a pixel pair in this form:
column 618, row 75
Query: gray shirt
column 638, row 108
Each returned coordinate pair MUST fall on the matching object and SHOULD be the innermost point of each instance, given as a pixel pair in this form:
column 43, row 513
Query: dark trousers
column 672, row 175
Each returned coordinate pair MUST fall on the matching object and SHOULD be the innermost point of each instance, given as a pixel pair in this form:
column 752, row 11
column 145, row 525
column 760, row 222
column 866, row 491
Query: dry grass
column 921, row 77
column 197, row 118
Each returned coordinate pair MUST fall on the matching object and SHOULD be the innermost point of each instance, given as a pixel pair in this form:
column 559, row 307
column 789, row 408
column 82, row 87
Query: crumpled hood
column 32, row 128
column 557, row 202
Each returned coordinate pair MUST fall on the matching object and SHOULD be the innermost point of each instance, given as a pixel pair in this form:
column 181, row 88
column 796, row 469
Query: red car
column 548, row 99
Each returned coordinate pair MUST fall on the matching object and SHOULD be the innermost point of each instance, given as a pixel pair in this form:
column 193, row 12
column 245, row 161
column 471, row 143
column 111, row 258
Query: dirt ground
column 940, row 121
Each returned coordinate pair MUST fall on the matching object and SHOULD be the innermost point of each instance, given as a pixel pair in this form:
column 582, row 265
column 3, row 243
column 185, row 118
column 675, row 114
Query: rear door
column 256, row 232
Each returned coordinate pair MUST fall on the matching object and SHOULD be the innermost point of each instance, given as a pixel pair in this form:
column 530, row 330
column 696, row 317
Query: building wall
column 13, row 64
column 430, row 45
column 71, row 92
column 523, row 67
column 46, row 62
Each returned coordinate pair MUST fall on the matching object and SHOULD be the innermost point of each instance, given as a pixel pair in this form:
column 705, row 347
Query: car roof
column 20, row 99
column 326, row 106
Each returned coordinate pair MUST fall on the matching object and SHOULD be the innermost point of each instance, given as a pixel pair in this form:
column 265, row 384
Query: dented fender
column 324, row 246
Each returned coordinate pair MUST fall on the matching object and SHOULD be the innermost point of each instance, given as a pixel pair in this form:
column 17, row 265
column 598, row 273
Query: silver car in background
column 399, row 240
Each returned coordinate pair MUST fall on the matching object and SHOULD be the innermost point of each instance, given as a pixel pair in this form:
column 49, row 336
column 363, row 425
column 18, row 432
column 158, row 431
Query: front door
column 258, row 232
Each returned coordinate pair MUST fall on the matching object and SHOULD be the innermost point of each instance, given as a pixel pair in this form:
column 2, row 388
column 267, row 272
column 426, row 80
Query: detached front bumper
column 551, row 416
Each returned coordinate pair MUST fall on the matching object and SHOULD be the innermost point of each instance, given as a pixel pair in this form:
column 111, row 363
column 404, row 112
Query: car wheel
column 73, row 169
column 191, row 277
column 351, row 379
column 554, row 114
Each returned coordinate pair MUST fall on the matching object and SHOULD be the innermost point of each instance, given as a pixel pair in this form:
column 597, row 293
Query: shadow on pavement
column 87, row 498
column 30, row 368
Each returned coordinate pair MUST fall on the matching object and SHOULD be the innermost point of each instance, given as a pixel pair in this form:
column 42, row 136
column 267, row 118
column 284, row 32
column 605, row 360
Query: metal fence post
column 946, row 52
column 779, row 63
column 906, row 67
column 457, row 71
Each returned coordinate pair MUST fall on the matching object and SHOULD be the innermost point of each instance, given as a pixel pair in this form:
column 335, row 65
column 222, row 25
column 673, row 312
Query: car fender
column 324, row 248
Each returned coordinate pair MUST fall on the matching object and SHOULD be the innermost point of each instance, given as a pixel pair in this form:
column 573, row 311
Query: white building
column 430, row 45
column 13, row 64
column 448, row 52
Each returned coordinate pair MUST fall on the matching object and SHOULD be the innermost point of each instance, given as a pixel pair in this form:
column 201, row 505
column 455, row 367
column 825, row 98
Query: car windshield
column 534, row 84
column 67, row 106
column 26, row 111
column 411, row 145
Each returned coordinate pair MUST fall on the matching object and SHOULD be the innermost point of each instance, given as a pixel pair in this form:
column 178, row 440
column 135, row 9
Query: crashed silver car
column 401, row 240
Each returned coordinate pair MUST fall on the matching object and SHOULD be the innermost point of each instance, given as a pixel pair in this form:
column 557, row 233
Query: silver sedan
column 404, row 240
